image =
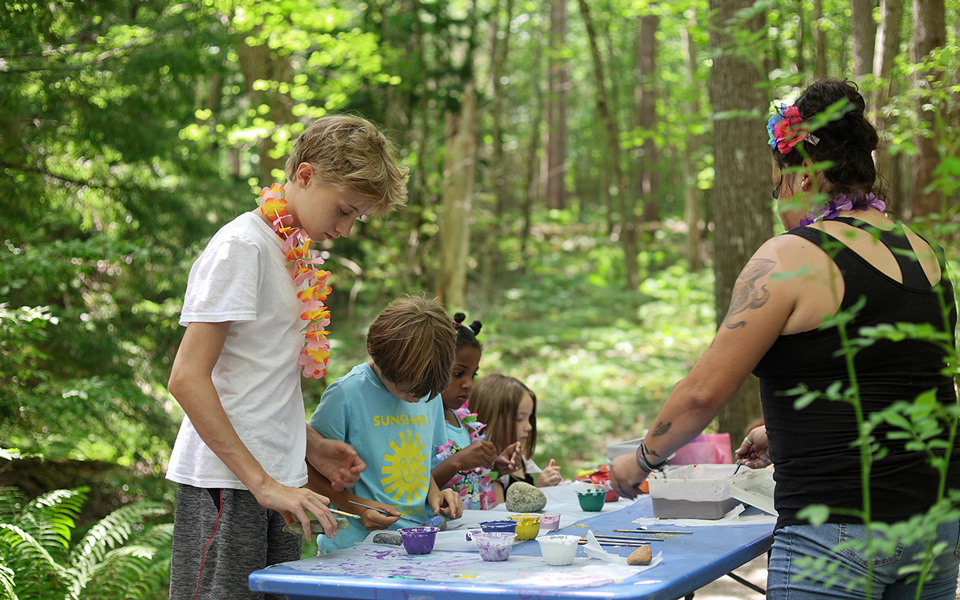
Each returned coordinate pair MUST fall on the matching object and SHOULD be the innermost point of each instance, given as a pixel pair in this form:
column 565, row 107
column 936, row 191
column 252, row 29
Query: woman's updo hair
column 847, row 142
column 467, row 334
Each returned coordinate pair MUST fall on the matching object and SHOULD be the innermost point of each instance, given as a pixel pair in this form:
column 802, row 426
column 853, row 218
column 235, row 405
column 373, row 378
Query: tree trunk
column 888, row 44
column 628, row 225
column 864, row 30
column 819, row 41
column 460, row 168
column 532, row 186
column 499, row 50
column 691, row 192
column 801, row 38
column 645, row 96
column 559, row 79
column 741, row 194
column 929, row 34
column 262, row 62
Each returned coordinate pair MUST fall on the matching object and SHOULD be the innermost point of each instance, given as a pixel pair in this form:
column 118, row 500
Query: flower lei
column 785, row 131
column 842, row 202
column 315, row 354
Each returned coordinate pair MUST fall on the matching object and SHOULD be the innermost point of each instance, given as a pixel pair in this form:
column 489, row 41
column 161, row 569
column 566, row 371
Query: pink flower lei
column 315, row 354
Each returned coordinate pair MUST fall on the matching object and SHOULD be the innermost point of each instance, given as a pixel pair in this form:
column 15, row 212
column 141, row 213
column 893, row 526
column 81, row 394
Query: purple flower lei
column 842, row 202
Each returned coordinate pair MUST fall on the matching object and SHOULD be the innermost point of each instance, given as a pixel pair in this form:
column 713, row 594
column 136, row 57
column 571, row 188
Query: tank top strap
column 896, row 241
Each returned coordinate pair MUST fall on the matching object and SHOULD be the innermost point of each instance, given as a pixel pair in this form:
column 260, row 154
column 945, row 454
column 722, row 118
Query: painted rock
column 525, row 498
column 296, row 529
column 388, row 538
column 640, row 556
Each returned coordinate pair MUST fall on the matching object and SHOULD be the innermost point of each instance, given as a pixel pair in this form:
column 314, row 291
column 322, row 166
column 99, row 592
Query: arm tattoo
column 747, row 294
column 660, row 429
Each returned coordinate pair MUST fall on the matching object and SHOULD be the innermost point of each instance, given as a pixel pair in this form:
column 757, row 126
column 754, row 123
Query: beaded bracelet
column 644, row 463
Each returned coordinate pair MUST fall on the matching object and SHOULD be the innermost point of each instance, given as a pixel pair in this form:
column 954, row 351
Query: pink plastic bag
column 705, row 449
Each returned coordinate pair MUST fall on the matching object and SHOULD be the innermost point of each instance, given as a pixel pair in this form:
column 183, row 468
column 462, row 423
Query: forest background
column 587, row 179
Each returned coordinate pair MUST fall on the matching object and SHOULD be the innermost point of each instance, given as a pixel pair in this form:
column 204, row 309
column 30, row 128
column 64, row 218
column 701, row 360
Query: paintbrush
column 344, row 513
column 609, row 543
column 638, row 530
column 433, row 522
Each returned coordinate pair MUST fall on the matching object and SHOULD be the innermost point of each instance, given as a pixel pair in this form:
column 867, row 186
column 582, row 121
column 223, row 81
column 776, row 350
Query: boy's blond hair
column 413, row 343
column 351, row 154
column 496, row 398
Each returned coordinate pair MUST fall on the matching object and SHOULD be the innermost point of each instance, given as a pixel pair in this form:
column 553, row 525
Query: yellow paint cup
column 528, row 526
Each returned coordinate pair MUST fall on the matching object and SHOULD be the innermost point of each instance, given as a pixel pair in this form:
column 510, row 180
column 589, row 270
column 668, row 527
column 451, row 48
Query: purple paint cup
column 418, row 540
column 494, row 546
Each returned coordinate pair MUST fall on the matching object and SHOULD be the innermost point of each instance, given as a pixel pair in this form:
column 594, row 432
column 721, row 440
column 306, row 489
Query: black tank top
column 814, row 462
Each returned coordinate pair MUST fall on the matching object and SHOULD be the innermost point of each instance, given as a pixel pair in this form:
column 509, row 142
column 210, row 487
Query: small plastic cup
column 494, row 546
column 504, row 526
column 591, row 500
column 418, row 540
column 558, row 550
column 528, row 526
column 550, row 521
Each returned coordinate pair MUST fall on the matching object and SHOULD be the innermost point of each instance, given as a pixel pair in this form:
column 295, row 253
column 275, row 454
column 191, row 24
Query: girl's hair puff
column 467, row 334
column 496, row 399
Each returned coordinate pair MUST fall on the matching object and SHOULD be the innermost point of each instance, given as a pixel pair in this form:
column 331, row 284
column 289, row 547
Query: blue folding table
column 689, row 562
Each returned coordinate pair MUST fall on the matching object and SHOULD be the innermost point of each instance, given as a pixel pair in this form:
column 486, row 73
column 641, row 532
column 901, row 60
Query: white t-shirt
column 242, row 277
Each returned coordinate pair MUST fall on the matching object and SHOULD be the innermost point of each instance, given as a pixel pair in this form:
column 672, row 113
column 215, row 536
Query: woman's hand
column 754, row 450
column 550, row 476
column 626, row 476
column 446, row 503
column 509, row 459
column 480, row 453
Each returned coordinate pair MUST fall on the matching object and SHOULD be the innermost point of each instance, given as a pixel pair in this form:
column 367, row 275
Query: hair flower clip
column 785, row 131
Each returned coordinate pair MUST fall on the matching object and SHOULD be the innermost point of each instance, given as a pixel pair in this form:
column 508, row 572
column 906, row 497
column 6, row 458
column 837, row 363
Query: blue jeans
column 795, row 541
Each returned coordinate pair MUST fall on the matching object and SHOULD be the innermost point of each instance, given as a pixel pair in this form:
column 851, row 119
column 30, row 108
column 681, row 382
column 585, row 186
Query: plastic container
column 418, row 540
column 550, row 521
column 528, row 526
column 505, row 526
column 494, row 546
column 692, row 492
column 591, row 500
column 559, row 550
column 620, row 448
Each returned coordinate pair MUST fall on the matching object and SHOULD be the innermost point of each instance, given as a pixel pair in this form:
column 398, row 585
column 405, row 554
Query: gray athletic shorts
column 216, row 549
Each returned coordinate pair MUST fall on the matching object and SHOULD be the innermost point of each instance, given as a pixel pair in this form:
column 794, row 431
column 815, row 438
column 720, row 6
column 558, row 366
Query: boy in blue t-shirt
column 389, row 410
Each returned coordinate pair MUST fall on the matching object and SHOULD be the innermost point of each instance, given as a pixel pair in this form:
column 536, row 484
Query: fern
column 119, row 557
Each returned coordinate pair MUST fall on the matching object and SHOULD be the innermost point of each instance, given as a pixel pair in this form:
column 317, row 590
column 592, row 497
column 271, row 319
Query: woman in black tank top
column 841, row 255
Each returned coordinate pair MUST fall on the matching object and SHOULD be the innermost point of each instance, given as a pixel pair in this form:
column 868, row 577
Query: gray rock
column 525, row 498
column 388, row 537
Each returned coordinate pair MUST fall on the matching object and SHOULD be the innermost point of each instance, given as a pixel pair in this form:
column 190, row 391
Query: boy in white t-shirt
column 239, row 458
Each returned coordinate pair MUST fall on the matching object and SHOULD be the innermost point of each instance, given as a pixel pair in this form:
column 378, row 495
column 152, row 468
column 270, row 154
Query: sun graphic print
column 405, row 477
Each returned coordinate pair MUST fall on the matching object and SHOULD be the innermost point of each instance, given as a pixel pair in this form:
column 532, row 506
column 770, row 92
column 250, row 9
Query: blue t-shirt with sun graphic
column 396, row 440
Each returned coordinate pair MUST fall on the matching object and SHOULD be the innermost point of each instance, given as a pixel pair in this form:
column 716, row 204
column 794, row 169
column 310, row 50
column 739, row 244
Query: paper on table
column 595, row 550
column 731, row 518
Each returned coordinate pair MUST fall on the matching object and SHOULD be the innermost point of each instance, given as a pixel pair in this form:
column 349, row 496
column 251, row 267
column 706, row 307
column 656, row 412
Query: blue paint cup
column 499, row 526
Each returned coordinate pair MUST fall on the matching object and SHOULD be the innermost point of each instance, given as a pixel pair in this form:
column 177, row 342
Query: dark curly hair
column 847, row 142
column 467, row 335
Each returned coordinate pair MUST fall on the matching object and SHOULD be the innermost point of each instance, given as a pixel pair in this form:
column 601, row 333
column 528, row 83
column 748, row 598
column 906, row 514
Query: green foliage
column 119, row 557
